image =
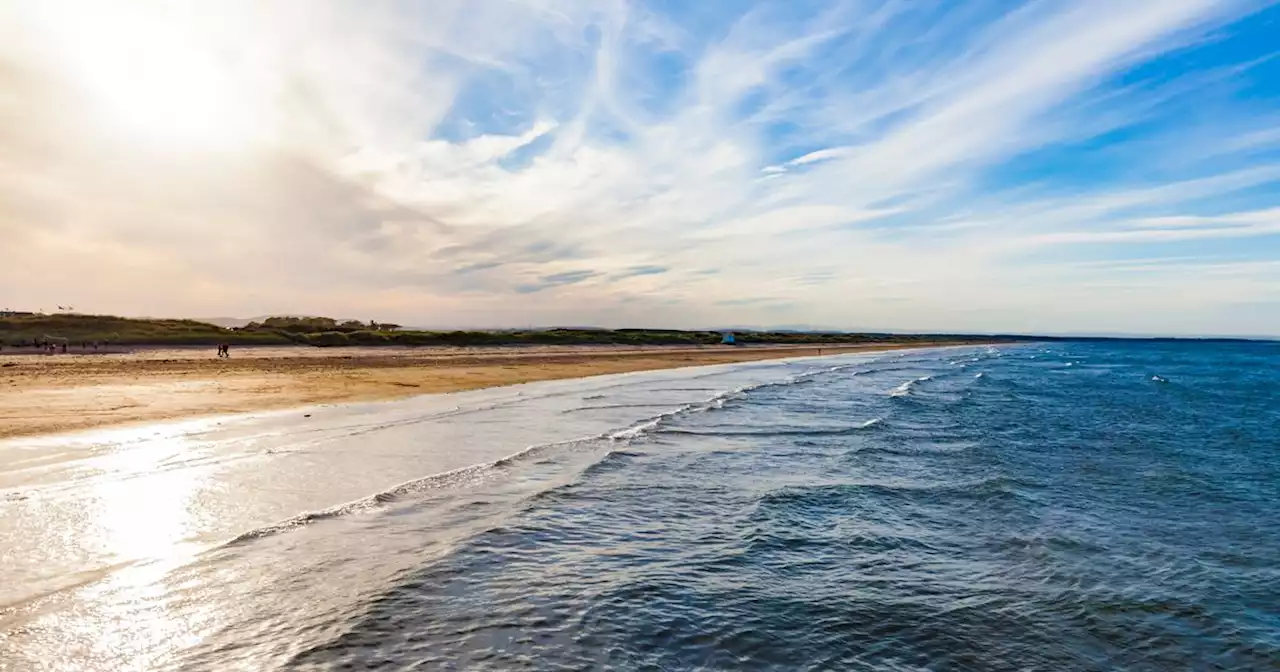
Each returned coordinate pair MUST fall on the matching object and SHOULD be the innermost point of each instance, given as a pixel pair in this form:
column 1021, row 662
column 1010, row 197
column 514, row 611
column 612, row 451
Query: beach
column 1097, row 501
column 50, row 393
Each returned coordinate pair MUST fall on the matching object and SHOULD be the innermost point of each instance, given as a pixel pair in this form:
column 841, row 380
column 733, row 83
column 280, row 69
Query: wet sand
column 42, row 394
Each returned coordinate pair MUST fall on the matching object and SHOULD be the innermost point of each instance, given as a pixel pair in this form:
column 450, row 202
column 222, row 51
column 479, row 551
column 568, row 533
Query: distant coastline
column 80, row 332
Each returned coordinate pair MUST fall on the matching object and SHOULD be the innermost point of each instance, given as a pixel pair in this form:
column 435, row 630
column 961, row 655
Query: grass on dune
column 17, row 329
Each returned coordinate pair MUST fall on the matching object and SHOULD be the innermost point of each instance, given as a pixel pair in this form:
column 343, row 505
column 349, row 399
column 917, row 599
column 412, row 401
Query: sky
column 1049, row 166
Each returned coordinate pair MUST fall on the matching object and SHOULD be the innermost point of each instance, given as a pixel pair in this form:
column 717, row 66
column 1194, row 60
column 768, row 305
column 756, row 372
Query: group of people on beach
column 51, row 347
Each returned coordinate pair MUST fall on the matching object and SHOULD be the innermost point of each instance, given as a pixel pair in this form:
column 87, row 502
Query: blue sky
column 1044, row 166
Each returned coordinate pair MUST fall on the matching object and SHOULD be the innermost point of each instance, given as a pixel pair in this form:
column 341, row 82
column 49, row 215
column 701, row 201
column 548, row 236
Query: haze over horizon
column 1046, row 166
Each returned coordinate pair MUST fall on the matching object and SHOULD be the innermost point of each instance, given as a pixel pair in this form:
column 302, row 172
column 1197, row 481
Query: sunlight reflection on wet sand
column 138, row 517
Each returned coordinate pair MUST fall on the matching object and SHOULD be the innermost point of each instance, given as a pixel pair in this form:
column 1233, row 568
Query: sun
column 163, row 89
column 155, row 79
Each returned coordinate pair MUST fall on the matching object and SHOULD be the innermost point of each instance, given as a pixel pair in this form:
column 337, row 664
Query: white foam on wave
column 639, row 430
column 477, row 473
column 463, row 476
column 813, row 431
column 716, row 402
column 905, row 388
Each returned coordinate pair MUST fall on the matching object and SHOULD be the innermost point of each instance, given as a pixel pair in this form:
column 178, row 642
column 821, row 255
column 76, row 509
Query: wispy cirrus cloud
column 860, row 163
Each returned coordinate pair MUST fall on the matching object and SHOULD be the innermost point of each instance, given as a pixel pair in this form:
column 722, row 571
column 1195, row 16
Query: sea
column 1103, row 505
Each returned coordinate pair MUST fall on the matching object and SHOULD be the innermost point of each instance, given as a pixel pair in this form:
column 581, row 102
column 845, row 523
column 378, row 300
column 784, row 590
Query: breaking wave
column 801, row 432
column 906, row 388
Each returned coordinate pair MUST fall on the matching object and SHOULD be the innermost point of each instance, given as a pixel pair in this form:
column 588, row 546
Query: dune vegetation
column 25, row 328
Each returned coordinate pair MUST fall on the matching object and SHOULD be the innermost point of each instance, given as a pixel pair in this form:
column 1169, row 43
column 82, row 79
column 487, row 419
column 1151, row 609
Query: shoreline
column 52, row 394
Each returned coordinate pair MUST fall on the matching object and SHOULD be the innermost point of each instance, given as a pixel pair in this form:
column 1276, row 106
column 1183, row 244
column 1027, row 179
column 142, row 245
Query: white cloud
column 425, row 161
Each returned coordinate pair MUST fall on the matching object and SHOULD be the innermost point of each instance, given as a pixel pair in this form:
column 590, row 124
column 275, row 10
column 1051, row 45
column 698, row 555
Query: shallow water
column 1073, row 506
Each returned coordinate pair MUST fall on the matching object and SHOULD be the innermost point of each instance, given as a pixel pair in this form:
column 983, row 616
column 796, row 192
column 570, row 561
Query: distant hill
column 239, row 322
column 226, row 322
column 18, row 328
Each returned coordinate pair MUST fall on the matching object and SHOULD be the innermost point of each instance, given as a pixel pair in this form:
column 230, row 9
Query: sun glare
column 156, row 80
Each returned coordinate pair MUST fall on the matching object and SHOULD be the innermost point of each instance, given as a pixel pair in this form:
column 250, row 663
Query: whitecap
column 905, row 388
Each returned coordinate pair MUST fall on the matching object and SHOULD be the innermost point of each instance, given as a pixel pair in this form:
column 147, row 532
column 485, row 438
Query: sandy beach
column 42, row 394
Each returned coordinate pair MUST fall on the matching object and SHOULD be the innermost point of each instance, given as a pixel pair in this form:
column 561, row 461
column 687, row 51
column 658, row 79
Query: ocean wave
column 715, row 402
column 789, row 541
column 833, row 493
column 1042, row 542
column 906, row 388
column 817, row 431
column 638, row 430
column 468, row 475
column 475, row 473
column 648, row 425
column 916, row 449
column 834, row 369
column 613, row 460
column 607, row 407
column 461, row 476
